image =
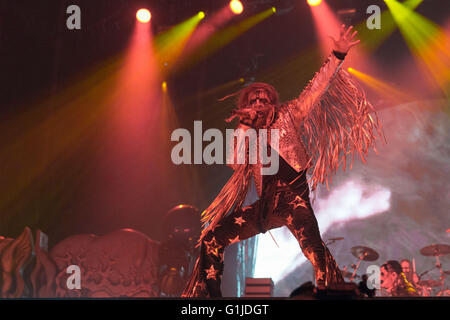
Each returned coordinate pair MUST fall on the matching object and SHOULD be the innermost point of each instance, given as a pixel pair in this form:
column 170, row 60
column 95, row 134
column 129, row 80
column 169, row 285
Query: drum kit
column 435, row 250
column 424, row 286
column 362, row 254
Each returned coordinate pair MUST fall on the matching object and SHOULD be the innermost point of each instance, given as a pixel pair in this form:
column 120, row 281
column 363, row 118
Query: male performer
column 329, row 120
column 394, row 281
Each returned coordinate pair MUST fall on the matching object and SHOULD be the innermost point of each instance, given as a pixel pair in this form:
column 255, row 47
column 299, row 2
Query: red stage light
column 236, row 6
column 143, row 15
column 314, row 2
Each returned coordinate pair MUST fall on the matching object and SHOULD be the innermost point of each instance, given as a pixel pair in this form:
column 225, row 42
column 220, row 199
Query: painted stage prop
column 122, row 263
column 127, row 263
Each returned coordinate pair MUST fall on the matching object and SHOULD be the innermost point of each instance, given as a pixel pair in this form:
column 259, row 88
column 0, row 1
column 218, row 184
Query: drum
column 443, row 293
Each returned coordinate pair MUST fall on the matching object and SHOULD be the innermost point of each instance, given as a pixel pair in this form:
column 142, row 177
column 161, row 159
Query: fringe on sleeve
column 231, row 196
column 341, row 123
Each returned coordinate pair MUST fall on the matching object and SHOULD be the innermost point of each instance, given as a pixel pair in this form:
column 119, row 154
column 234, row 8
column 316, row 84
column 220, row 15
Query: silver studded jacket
column 289, row 118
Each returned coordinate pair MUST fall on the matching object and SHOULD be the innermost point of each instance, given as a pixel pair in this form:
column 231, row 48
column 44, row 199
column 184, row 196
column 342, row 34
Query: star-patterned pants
column 287, row 205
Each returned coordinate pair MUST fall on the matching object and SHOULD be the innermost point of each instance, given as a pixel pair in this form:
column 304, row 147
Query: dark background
column 39, row 57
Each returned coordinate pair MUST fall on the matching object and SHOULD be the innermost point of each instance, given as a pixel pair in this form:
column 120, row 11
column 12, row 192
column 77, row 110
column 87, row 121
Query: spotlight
column 314, row 3
column 201, row 15
column 143, row 15
column 236, row 6
column 164, row 86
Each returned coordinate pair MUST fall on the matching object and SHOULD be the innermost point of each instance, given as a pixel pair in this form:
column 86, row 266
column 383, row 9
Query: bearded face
column 406, row 267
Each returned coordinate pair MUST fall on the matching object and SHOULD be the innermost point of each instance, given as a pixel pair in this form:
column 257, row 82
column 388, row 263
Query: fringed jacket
column 317, row 131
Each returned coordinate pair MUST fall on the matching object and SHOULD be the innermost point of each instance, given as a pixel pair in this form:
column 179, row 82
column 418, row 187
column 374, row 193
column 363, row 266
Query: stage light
column 236, row 6
column 143, row 15
column 222, row 37
column 426, row 40
column 274, row 10
column 387, row 90
column 201, row 15
column 164, row 86
column 314, row 2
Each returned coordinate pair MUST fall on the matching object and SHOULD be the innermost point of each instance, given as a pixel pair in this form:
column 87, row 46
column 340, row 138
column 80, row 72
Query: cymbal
column 435, row 250
column 364, row 253
column 348, row 274
column 429, row 283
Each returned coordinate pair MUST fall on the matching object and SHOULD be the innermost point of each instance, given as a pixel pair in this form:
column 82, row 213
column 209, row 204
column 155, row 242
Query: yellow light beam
column 427, row 42
column 53, row 129
column 222, row 38
column 170, row 44
column 381, row 87
column 371, row 39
